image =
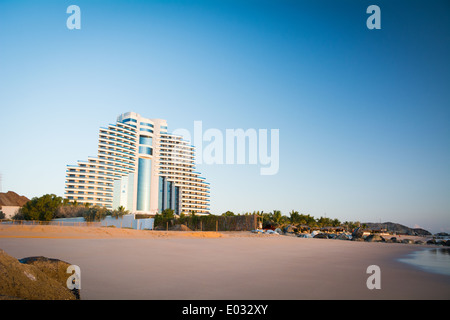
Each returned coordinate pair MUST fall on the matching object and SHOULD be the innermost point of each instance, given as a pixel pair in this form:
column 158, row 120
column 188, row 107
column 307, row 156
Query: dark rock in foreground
column 53, row 268
column 38, row 278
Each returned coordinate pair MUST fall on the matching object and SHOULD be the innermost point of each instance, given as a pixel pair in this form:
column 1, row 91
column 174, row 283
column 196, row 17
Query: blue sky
column 364, row 115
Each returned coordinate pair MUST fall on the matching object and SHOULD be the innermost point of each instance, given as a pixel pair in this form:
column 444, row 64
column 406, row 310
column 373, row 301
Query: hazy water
column 436, row 260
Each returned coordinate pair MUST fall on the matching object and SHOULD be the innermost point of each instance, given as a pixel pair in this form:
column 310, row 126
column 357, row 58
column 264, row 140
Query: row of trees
column 168, row 216
column 210, row 222
column 277, row 219
column 50, row 206
column 271, row 219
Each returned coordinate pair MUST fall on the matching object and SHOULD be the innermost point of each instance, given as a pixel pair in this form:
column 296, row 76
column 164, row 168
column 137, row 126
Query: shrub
column 95, row 213
column 70, row 211
column 43, row 208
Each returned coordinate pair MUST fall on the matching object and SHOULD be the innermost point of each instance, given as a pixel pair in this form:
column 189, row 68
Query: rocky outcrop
column 290, row 229
column 53, row 268
column 374, row 238
column 342, row 236
column 321, row 236
column 398, row 228
column 357, row 234
column 35, row 278
column 392, row 240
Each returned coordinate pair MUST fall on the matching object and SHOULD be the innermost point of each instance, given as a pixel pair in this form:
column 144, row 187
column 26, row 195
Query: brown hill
column 11, row 198
column 398, row 228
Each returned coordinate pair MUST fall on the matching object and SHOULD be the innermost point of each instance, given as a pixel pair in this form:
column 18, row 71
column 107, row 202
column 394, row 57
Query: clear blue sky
column 364, row 115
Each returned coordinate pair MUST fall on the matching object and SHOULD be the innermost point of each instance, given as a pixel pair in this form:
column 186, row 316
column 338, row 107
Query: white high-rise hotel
column 141, row 167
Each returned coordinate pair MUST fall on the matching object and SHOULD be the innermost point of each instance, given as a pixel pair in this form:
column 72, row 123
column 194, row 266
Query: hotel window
column 146, row 130
column 146, row 150
column 145, row 140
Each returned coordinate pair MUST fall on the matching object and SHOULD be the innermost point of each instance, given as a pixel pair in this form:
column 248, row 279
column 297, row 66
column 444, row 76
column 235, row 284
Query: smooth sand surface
column 134, row 264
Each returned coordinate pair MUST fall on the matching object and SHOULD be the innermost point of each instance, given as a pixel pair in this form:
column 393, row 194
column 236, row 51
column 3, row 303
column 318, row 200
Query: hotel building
column 141, row 167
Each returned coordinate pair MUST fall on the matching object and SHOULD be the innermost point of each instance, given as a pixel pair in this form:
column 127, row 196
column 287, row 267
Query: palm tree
column 294, row 216
column 336, row 223
column 119, row 212
column 277, row 217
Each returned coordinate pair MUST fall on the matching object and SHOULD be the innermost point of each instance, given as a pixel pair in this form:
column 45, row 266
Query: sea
column 434, row 260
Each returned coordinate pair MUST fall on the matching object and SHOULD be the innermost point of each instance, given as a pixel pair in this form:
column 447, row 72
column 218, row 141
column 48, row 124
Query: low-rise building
column 11, row 202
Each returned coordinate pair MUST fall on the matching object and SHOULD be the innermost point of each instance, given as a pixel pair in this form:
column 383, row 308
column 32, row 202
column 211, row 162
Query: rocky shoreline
column 359, row 235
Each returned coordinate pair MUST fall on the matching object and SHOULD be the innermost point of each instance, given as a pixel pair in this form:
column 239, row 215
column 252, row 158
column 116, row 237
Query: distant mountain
column 12, row 199
column 398, row 228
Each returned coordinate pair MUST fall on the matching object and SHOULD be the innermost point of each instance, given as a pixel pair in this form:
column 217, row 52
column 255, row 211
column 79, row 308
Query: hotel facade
column 141, row 167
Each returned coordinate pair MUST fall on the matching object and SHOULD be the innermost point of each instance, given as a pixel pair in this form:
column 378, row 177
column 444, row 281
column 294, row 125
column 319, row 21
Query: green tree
column 335, row 223
column 294, row 217
column 167, row 215
column 277, row 217
column 228, row 214
column 119, row 212
column 42, row 208
column 96, row 213
column 324, row 222
column 307, row 220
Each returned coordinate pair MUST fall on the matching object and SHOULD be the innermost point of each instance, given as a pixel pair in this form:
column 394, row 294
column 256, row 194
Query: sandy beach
column 171, row 265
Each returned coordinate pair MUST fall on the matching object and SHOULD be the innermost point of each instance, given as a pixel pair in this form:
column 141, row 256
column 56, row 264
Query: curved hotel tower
column 141, row 167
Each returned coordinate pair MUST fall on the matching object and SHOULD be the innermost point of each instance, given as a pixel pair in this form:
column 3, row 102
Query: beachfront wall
column 213, row 223
column 128, row 221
